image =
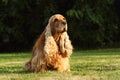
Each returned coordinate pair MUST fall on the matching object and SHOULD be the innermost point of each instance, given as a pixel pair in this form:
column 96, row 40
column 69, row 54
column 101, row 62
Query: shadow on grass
column 78, row 68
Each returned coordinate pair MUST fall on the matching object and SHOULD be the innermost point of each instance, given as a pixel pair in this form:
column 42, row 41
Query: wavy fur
column 53, row 48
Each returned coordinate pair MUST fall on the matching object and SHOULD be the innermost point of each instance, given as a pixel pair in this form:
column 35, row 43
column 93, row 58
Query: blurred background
column 93, row 24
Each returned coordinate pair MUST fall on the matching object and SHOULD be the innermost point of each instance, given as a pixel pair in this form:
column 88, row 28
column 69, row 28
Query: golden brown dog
column 53, row 48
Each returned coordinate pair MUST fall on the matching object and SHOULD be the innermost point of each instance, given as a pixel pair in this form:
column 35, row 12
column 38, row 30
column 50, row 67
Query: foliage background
column 92, row 24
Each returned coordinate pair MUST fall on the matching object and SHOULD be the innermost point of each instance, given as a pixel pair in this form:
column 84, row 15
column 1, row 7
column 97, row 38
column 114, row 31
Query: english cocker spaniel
column 53, row 48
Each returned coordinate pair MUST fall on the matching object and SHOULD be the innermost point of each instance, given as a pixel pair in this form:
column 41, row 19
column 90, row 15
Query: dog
column 53, row 48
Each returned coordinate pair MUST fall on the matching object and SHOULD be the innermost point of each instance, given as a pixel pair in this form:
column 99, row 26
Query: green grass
column 85, row 65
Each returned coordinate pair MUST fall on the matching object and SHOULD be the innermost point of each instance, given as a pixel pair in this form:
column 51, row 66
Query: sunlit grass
column 85, row 65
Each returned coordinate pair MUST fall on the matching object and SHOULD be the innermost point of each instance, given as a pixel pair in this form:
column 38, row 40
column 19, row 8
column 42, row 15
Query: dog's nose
column 65, row 29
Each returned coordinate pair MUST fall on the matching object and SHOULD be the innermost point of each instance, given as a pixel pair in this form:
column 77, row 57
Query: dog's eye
column 64, row 23
column 55, row 20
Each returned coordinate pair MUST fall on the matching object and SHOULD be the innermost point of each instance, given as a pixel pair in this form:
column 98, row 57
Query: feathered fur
column 53, row 48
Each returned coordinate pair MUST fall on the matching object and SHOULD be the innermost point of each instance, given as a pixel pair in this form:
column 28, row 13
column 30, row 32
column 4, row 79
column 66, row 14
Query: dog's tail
column 28, row 66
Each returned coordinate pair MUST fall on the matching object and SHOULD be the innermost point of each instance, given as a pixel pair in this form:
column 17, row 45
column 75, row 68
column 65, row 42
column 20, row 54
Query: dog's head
column 58, row 23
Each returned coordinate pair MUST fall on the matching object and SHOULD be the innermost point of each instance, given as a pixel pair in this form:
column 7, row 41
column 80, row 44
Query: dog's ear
column 53, row 21
column 50, row 46
column 65, row 45
column 64, row 18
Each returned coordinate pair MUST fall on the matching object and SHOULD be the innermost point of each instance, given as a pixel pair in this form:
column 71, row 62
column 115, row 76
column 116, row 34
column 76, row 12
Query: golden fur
column 53, row 48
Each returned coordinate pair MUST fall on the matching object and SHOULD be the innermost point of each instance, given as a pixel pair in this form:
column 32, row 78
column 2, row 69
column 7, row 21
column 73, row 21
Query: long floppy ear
column 65, row 45
column 50, row 46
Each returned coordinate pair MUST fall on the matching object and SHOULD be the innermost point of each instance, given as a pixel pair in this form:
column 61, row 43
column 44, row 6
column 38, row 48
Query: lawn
column 85, row 65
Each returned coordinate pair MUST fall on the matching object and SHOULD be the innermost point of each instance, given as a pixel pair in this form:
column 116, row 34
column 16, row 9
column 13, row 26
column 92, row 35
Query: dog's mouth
column 64, row 30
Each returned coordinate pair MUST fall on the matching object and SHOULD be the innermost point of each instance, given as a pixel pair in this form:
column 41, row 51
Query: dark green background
column 92, row 23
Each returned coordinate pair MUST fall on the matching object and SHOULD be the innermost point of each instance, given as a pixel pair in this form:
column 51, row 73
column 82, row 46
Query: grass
column 85, row 65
